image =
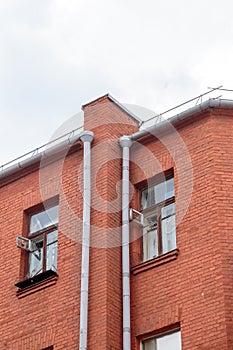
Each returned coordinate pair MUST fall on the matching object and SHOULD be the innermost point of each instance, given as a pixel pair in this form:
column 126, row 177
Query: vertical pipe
column 86, row 138
column 125, row 143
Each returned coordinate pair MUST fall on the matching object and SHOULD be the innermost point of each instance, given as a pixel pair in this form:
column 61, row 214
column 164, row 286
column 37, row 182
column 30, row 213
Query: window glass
column 167, row 342
column 151, row 237
column 152, row 244
column 169, row 188
column 168, row 210
column 169, row 234
column 45, row 239
column 35, row 262
column 159, row 227
column 158, row 193
column 151, row 221
column 148, row 197
column 168, row 228
column 51, row 258
column 44, row 219
column 150, row 344
column 52, row 237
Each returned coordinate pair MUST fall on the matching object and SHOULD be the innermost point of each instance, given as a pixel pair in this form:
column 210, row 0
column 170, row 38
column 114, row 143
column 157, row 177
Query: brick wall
column 50, row 314
column 108, row 123
column 191, row 289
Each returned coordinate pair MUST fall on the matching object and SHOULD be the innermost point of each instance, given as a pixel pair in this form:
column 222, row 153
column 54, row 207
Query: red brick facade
column 190, row 288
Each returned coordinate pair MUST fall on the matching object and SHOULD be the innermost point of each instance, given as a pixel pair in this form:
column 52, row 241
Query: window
column 158, row 208
column 43, row 235
column 169, row 341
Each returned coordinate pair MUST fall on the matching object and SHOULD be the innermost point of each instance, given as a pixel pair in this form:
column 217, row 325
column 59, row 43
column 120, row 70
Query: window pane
column 152, row 242
column 149, row 344
column 151, row 221
column 170, row 188
column 44, row 219
column 148, row 197
column 150, row 238
column 168, row 210
column 35, row 262
column 169, row 234
column 52, row 237
column 169, row 342
column 164, row 191
column 51, row 259
column 158, row 193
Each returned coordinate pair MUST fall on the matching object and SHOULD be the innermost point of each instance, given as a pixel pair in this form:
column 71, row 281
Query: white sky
column 56, row 55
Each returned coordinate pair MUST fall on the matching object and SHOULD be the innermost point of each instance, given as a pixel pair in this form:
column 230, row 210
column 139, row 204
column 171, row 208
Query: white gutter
column 209, row 104
column 61, row 146
column 125, row 143
column 86, row 138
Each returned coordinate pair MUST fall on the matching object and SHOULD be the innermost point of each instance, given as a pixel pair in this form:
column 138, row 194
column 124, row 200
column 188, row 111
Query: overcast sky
column 59, row 54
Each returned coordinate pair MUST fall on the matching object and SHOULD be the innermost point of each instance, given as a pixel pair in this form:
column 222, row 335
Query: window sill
column 36, row 283
column 160, row 260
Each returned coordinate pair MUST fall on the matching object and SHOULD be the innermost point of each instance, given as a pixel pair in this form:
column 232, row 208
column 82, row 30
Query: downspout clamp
column 86, row 137
column 125, row 143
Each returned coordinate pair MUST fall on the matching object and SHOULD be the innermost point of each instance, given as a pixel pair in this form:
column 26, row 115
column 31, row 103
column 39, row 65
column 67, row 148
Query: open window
column 40, row 246
column 159, row 226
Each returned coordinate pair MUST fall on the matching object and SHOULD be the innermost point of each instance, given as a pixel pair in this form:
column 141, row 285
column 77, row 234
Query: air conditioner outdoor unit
column 25, row 244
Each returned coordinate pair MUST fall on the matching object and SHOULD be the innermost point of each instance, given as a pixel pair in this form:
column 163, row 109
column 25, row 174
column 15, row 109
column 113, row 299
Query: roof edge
column 47, row 156
column 117, row 103
column 204, row 106
column 126, row 110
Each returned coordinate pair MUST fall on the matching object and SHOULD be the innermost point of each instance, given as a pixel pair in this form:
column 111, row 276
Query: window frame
column 24, row 274
column 44, row 232
column 26, row 284
column 156, row 209
column 159, row 336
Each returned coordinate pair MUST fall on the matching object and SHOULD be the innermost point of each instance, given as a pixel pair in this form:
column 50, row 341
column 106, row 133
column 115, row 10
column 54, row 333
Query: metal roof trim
column 209, row 104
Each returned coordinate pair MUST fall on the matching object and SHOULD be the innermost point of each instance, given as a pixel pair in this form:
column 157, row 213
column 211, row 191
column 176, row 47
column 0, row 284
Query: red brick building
column 145, row 263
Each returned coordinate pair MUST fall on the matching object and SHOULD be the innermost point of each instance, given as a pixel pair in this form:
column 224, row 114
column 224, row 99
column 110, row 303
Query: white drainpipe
column 86, row 138
column 125, row 143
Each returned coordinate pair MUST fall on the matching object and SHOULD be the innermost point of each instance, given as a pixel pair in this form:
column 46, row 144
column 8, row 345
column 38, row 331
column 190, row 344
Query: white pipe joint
column 125, row 143
column 86, row 137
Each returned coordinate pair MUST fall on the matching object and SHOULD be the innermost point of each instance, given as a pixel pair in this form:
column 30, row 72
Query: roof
column 22, row 165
